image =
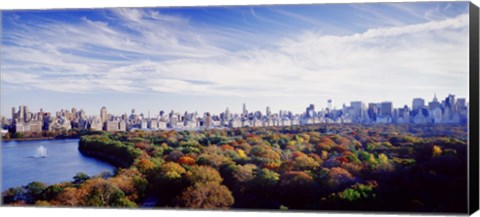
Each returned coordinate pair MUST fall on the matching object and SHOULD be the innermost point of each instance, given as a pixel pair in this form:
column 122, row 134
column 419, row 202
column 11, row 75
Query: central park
column 383, row 167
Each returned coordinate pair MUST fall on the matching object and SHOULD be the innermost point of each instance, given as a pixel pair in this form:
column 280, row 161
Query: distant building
column 144, row 124
column 103, row 114
column 208, row 122
column 122, row 126
column 112, row 126
column 418, row 103
column 235, row 123
column 386, row 109
column 357, row 111
column 96, row 123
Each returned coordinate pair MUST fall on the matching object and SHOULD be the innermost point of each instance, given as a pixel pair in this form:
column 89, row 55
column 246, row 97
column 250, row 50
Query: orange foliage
column 437, row 151
column 327, row 141
column 144, row 165
column 226, row 147
column 187, row 160
column 271, row 166
column 298, row 154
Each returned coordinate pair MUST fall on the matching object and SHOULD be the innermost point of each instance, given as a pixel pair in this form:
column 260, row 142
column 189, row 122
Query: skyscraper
column 357, row 108
column 434, row 103
column 310, row 110
column 13, row 113
column 386, row 109
column 227, row 114
column 330, row 104
column 74, row 113
column 450, row 101
column 103, row 114
column 244, row 111
column 418, row 103
column 21, row 113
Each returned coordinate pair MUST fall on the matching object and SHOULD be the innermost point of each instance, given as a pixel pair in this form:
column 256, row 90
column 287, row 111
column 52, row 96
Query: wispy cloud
column 143, row 50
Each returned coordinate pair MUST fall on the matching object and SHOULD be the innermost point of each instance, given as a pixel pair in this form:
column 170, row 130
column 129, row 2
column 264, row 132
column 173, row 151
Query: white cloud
column 167, row 54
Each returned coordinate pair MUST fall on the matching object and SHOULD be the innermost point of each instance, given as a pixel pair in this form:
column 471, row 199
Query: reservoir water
column 48, row 161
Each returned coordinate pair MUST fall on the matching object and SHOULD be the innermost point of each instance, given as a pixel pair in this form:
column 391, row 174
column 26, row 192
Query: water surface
column 22, row 163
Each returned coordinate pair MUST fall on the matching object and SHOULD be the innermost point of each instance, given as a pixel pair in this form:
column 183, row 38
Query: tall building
column 21, row 113
column 208, row 120
column 244, row 111
column 450, row 101
column 386, row 109
column 28, row 114
column 14, row 116
column 461, row 103
column 330, row 104
column 357, row 111
column 418, row 103
column 310, row 111
column 103, row 114
column 268, row 112
column 434, row 103
column 228, row 115
column 74, row 114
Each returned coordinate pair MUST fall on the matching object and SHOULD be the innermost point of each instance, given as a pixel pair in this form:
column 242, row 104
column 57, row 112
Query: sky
column 210, row 58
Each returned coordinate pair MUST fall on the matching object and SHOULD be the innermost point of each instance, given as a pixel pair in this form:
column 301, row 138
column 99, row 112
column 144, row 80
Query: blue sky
column 209, row 58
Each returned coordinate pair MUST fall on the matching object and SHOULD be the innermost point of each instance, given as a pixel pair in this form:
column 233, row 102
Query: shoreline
column 36, row 139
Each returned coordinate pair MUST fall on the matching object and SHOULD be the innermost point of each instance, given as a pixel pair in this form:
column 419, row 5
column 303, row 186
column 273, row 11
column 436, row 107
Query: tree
column 266, row 179
column 297, row 188
column 69, row 197
column 13, row 195
column 174, row 156
column 144, row 165
column 131, row 182
column 265, row 157
column 436, row 151
column 212, row 159
column 186, row 160
column 384, row 164
column 244, row 173
column 34, row 191
column 80, row 178
column 295, row 179
column 101, row 193
column 305, row 162
column 338, row 177
column 52, row 191
column 241, row 153
column 171, row 171
column 238, row 177
column 358, row 191
column 209, row 195
column 203, row 174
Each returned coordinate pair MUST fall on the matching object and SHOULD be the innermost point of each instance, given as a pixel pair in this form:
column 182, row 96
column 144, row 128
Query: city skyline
column 209, row 58
column 416, row 103
column 450, row 110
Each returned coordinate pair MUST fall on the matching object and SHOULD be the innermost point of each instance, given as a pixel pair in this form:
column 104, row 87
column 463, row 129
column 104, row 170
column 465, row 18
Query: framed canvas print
column 339, row 107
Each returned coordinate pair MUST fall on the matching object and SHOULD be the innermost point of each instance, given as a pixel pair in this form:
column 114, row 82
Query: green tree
column 80, row 178
column 101, row 193
column 203, row 174
column 13, row 195
column 52, row 191
column 34, row 191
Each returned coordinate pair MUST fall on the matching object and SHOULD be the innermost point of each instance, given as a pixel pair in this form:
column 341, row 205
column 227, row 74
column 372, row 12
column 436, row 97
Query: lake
column 22, row 163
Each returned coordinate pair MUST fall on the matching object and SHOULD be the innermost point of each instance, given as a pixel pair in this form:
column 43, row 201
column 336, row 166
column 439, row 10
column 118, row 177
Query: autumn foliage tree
column 210, row 195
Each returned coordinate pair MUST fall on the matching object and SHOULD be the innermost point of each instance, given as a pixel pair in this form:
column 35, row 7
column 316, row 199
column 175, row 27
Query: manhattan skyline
column 208, row 58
